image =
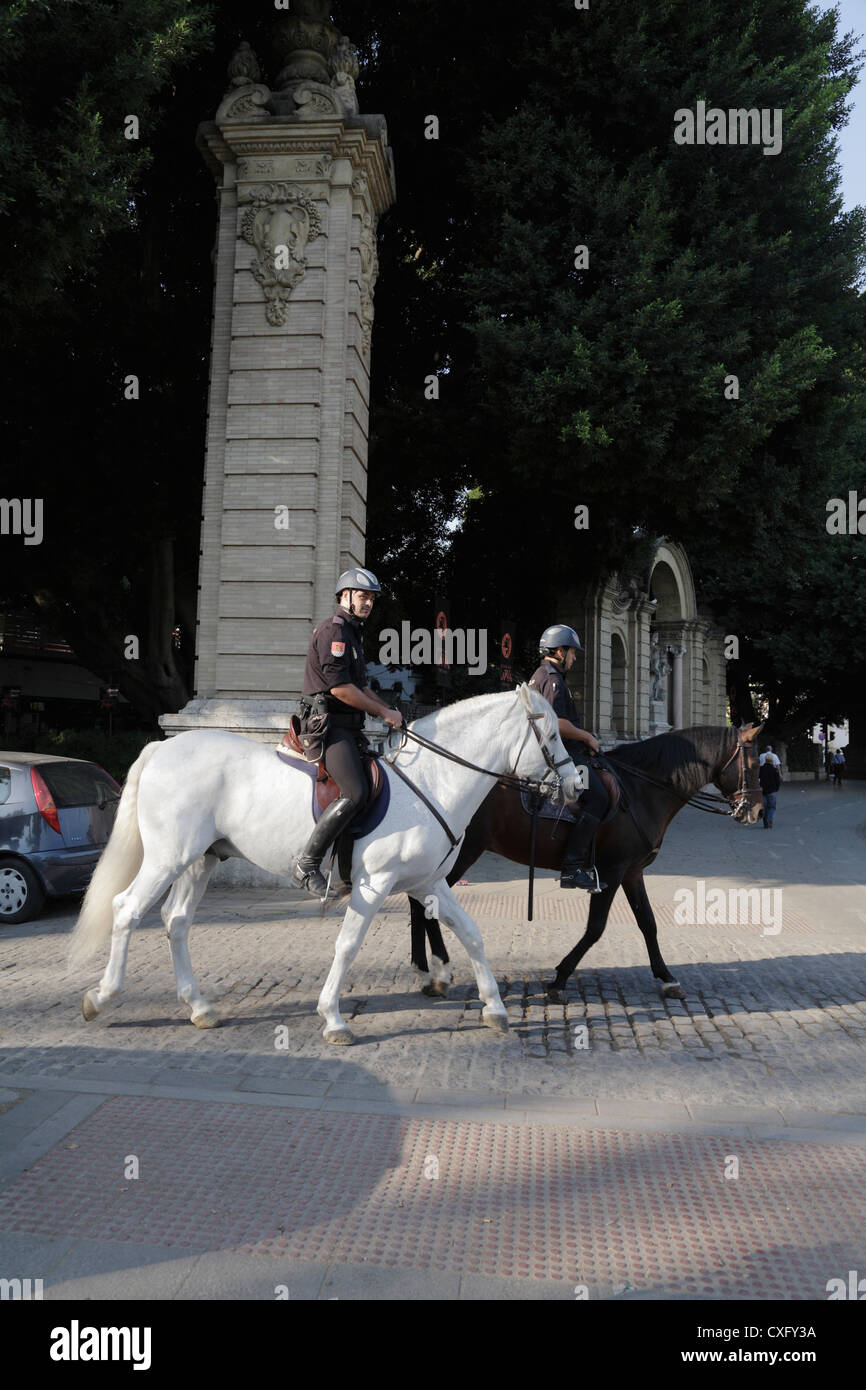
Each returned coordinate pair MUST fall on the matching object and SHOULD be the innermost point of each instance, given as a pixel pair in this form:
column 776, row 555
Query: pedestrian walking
column 838, row 766
column 771, row 780
column 768, row 756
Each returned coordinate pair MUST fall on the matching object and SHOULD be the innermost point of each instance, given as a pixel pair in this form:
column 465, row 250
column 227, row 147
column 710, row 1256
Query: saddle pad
column 363, row 824
column 547, row 810
column 610, row 783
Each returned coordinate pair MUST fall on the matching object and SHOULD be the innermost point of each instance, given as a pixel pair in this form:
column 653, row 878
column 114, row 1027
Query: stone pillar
column 677, row 687
column 302, row 179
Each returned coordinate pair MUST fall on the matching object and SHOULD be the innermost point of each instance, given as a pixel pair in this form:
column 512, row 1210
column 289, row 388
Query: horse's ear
column 749, row 734
column 523, row 692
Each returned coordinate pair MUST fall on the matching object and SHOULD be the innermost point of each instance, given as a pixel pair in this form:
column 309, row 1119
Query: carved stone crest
column 279, row 222
column 368, row 277
column 243, row 102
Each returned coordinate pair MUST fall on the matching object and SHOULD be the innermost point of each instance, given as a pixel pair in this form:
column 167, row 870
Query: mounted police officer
column 559, row 646
column 335, row 697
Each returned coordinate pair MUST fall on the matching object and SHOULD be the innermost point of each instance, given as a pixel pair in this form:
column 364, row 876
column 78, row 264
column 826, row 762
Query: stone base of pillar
column 658, row 718
column 264, row 720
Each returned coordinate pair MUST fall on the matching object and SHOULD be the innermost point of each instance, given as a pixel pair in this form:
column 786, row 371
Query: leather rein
column 704, row 801
column 511, row 779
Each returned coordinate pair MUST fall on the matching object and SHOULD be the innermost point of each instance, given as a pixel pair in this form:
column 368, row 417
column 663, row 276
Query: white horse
column 205, row 795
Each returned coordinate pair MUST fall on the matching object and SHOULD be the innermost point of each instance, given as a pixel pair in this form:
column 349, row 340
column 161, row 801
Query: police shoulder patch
column 338, row 648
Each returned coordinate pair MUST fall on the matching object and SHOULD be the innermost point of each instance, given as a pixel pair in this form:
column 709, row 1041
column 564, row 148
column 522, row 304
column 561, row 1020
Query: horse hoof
column 673, row 991
column 497, row 1022
column 556, row 996
column 339, row 1037
column 207, row 1018
column 88, row 1008
column 437, row 989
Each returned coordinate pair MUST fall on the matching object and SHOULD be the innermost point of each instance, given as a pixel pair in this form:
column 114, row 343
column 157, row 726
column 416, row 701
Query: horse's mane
column 463, row 709
column 681, row 756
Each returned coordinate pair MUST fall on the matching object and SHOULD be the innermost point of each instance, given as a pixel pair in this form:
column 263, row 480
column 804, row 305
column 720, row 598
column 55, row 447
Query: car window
column 77, row 784
column 5, row 784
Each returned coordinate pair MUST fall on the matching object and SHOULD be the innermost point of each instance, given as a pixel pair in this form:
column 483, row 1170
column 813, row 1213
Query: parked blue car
column 56, row 816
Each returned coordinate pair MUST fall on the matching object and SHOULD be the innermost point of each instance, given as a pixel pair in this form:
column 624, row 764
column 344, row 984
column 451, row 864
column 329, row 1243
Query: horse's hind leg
column 453, row 915
column 128, row 907
column 441, row 974
column 178, row 911
column 437, row 976
column 635, row 890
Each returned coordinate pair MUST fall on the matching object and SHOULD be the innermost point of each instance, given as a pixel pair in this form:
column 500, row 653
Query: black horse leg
column 419, row 941
column 599, row 908
column 437, row 980
column 635, row 890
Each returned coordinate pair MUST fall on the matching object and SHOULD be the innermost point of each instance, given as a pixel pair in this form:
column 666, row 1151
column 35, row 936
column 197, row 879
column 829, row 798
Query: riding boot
column 578, row 869
column 329, row 825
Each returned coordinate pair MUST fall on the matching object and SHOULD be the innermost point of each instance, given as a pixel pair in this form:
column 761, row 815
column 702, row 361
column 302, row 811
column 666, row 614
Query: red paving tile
column 599, row 1207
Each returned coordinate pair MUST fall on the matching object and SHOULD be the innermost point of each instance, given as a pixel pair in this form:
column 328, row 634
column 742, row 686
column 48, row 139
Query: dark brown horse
column 658, row 777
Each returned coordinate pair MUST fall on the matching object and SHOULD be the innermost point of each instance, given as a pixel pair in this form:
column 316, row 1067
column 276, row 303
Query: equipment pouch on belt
column 315, row 722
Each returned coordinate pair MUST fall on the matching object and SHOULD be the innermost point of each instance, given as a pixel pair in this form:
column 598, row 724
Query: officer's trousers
column 343, row 761
column 594, row 800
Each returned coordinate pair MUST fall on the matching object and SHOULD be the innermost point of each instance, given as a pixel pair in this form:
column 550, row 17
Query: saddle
column 327, row 789
column 609, row 781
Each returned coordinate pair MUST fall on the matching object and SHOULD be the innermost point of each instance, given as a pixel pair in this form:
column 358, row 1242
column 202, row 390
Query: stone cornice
column 263, row 137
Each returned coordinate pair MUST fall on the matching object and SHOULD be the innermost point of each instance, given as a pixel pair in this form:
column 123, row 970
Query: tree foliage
column 560, row 384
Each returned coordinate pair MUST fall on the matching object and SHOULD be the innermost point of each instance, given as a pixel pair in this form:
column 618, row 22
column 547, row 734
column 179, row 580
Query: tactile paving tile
column 611, row 1210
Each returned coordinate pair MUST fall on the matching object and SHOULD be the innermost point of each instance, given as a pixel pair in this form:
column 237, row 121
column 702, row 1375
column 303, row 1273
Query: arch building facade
column 651, row 661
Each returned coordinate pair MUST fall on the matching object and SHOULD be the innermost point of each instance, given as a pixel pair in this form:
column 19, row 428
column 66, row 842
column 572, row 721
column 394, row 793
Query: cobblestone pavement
column 588, row 1149
column 776, row 1019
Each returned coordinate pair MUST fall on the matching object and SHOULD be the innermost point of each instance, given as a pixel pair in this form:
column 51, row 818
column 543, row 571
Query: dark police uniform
column 336, row 657
column 550, row 682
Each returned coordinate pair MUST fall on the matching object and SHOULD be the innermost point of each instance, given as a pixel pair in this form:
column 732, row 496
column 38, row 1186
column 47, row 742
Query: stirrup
column 311, row 880
column 591, row 873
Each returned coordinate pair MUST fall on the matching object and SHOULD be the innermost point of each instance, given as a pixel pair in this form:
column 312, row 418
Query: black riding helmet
column 559, row 635
column 357, row 579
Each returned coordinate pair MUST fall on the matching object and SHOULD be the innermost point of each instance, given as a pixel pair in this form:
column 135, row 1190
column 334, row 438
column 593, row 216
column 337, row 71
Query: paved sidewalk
column 593, row 1149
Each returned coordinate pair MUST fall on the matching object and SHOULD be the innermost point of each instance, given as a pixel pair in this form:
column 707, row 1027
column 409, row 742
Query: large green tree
column 603, row 384
column 559, row 384
column 104, row 276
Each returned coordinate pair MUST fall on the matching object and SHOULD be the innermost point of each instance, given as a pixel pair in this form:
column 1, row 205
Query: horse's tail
column 118, row 866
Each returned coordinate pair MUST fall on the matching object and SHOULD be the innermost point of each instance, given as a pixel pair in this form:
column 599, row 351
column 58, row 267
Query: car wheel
column 21, row 893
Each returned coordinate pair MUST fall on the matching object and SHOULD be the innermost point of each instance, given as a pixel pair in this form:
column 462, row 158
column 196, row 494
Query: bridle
column 550, row 785
column 542, row 788
column 743, row 794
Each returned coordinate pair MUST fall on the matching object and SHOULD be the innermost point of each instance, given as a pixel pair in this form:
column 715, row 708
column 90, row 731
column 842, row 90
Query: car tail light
column 44, row 801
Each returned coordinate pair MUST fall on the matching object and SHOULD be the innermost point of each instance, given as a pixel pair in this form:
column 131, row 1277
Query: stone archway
column 675, row 680
column 651, row 661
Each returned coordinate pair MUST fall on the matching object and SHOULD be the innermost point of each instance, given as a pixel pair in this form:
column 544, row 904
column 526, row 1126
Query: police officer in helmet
column 559, row 646
column 336, row 679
